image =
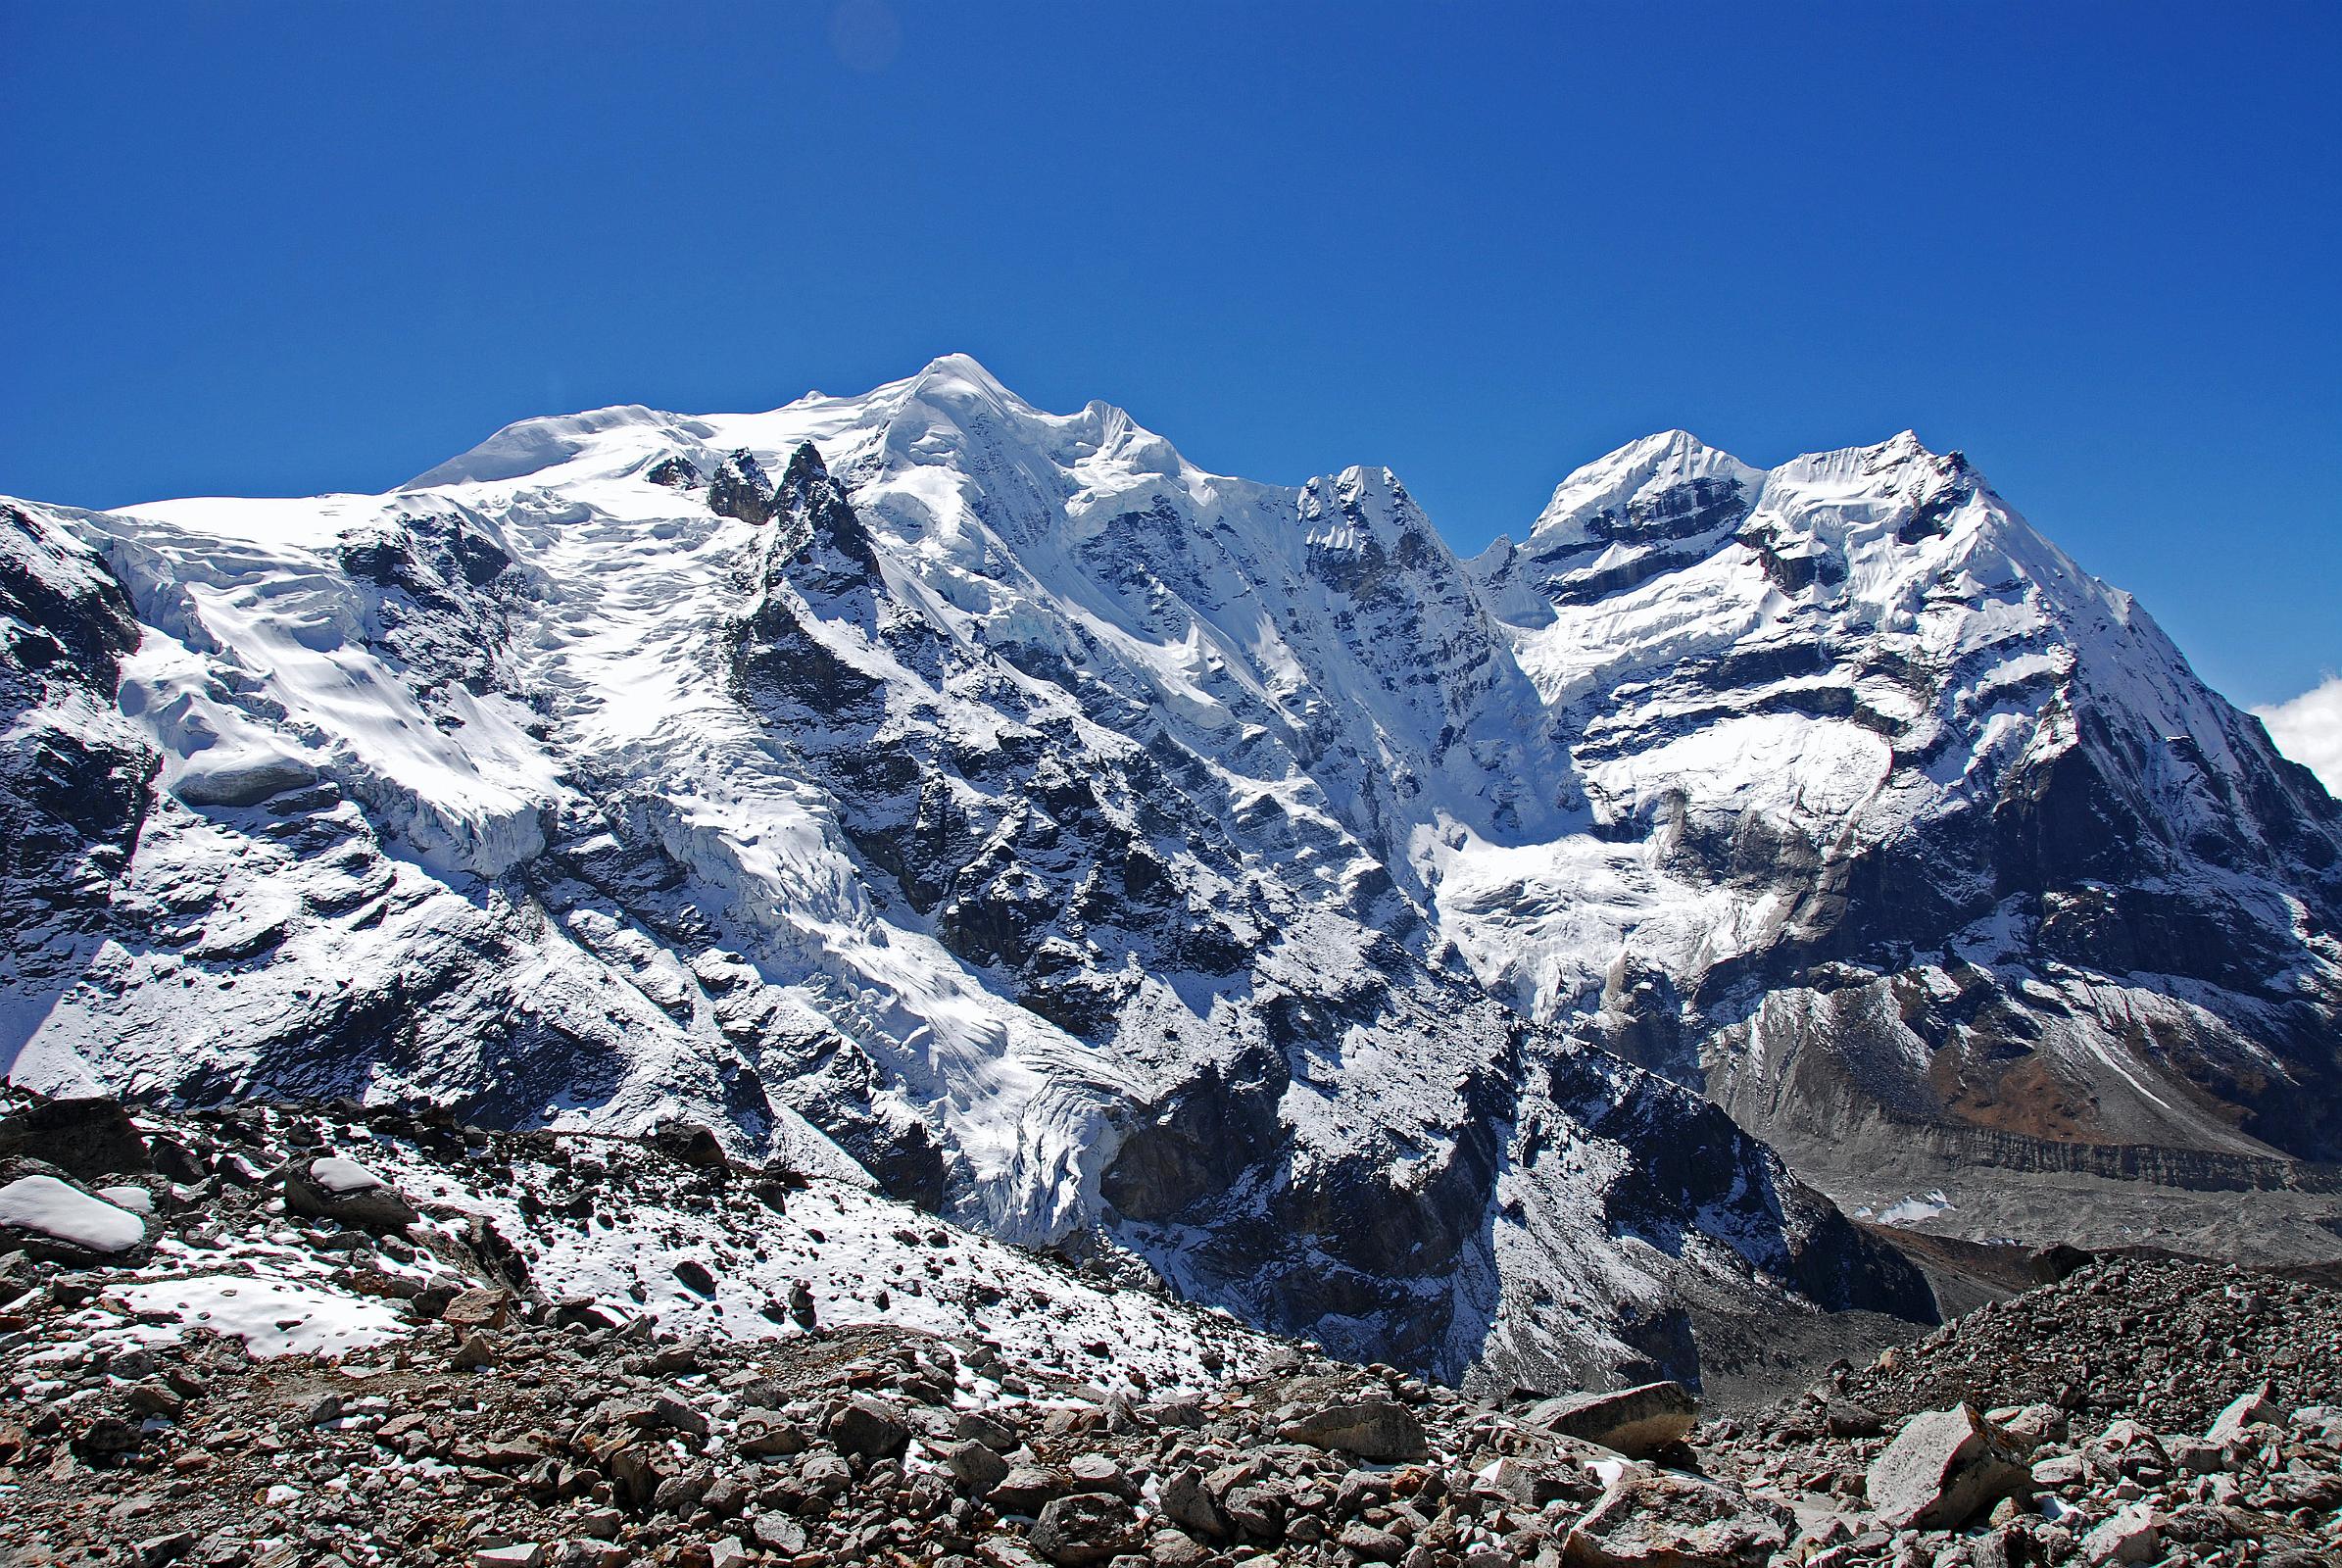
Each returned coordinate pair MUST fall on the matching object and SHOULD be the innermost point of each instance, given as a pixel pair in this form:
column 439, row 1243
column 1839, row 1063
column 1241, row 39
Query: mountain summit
column 1221, row 881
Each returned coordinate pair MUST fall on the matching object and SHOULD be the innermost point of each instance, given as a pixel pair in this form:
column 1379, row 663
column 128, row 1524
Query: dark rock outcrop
column 741, row 490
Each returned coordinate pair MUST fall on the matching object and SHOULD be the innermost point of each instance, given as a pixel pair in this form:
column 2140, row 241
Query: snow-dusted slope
column 1116, row 854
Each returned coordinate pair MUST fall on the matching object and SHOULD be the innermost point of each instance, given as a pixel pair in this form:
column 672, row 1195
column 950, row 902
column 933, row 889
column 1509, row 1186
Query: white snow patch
column 64, row 1213
column 271, row 1316
column 338, row 1175
column 1910, row 1210
column 135, row 1200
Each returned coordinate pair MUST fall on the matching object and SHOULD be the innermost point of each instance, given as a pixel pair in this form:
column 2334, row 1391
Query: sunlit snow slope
column 1115, row 855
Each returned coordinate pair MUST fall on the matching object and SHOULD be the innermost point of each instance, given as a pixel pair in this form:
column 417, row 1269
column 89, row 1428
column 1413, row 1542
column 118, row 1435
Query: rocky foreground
column 234, row 1341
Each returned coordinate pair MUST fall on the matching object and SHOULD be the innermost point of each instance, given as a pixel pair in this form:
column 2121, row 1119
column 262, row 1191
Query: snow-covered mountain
column 1897, row 817
column 1217, row 877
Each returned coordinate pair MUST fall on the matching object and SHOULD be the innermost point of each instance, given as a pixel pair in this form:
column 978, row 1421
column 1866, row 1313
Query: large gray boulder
column 1632, row 1421
column 1664, row 1519
column 2133, row 1535
column 975, row 1466
column 1089, row 1527
column 2248, row 1409
column 1942, row 1469
column 1187, row 1503
column 1371, row 1429
column 870, row 1428
column 85, row 1138
column 345, row 1192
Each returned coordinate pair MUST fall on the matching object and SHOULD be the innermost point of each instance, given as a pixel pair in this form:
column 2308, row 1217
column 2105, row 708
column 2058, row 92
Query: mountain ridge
column 1224, row 875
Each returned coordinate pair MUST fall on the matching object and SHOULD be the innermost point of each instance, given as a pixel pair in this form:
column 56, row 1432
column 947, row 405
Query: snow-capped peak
column 1632, row 476
column 959, row 379
column 529, row 445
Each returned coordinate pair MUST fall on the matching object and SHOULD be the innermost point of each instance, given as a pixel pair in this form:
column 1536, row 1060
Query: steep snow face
column 1222, row 875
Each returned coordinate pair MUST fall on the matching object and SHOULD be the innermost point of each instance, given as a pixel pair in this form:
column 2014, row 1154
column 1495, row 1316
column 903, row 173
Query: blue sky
column 281, row 248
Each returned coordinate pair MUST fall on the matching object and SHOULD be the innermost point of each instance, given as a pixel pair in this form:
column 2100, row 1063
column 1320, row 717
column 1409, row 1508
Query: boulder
column 583, row 1312
column 1364, row 1540
column 347, row 1193
column 2196, row 1456
column 156, row 1551
column 2249, row 1408
column 1943, row 1468
column 1258, row 1511
column 1089, row 1527
column 2027, row 1427
column 476, row 1308
column 1098, row 1472
column 671, row 1412
column 1028, row 1488
column 519, row 1554
column 1665, row 1519
column 769, row 1434
column 2130, row 1448
column 2061, row 1470
column 1533, row 1484
column 176, row 1161
column 1371, row 1429
column 1845, row 1419
column 85, row 1138
column 689, row 1143
column 826, row 1474
column 869, row 1428
column 1176, row 1549
column 1187, row 1504
column 974, row 1465
column 638, row 1470
column 2133, row 1535
column 777, row 1532
column 680, row 1493
column 1634, row 1421
column 49, row 1219
column 991, row 1431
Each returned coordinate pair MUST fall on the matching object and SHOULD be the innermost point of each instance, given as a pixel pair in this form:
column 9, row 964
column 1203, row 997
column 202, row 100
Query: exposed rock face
column 2006, row 834
column 73, row 770
column 1222, row 881
column 740, row 489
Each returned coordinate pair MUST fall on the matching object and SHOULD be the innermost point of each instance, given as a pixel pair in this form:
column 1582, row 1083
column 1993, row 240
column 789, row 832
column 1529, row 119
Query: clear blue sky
column 287, row 248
